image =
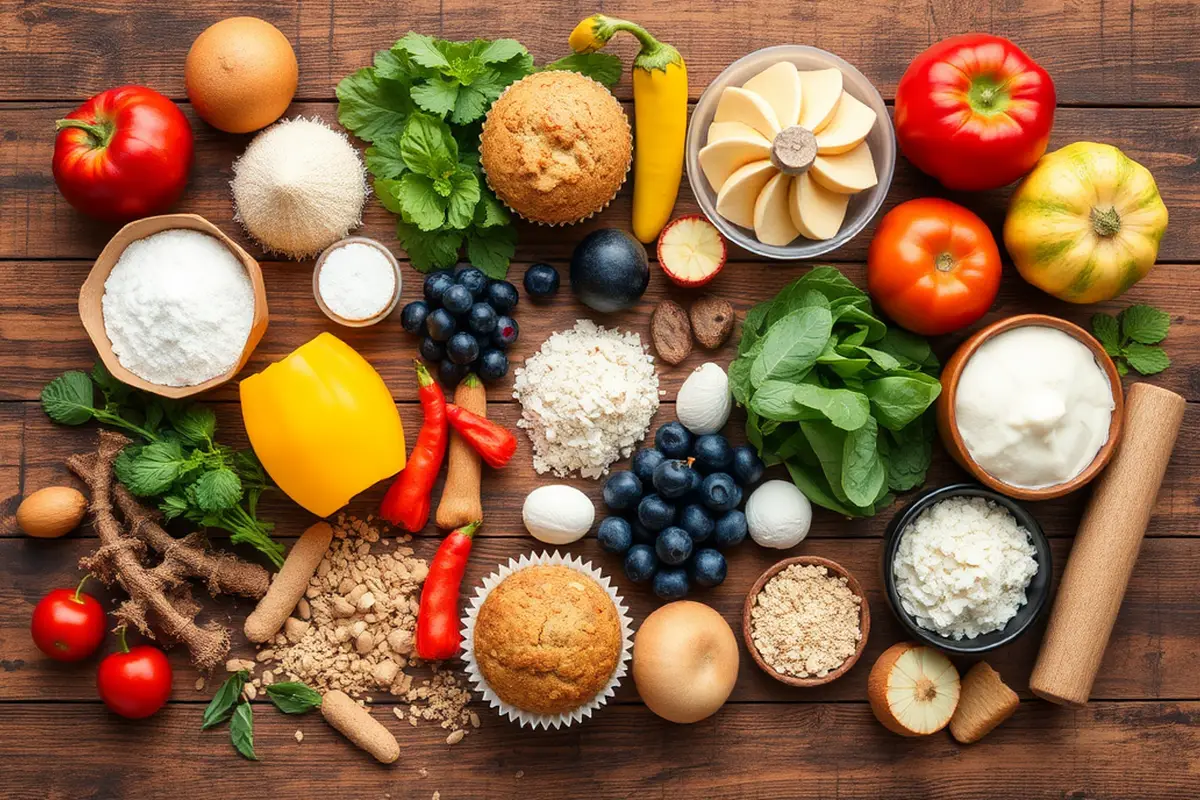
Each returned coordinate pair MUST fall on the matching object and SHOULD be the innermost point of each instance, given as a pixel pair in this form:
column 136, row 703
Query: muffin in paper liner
column 528, row 718
column 616, row 191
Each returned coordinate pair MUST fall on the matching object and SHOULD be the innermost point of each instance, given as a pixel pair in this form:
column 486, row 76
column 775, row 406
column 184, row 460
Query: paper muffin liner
column 624, row 178
column 528, row 718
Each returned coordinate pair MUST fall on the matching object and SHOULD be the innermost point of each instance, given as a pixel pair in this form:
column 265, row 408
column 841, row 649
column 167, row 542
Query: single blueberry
column 436, row 283
column 655, row 513
column 747, row 467
column 671, row 584
column 493, row 365
column 474, row 280
column 720, row 492
column 640, row 563
column 506, row 332
column 615, row 535
column 730, row 529
column 502, row 296
column 440, row 325
column 708, row 568
column 451, row 374
column 541, row 280
column 713, row 453
column 457, row 300
column 431, row 350
column 673, row 479
column 462, row 348
column 673, row 546
column 622, row 491
column 412, row 318
column 696, row 520
column 481, row 319
column 644, row 463
column 641, row 534
column 674, row 440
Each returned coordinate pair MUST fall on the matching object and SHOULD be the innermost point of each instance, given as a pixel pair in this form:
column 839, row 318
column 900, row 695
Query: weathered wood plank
column 35, row 222
column 1139, row 55
column 1151, row 654
column 1127, row 750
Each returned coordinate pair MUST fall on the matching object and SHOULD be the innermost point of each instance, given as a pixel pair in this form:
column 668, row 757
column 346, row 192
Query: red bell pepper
column 438, row 636
column 494, row 443
column 407, row 502
column 123, row 154
column 974, row 111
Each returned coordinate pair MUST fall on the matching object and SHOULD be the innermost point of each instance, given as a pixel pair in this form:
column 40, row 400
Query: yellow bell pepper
column 323, row 424
column 660, row 100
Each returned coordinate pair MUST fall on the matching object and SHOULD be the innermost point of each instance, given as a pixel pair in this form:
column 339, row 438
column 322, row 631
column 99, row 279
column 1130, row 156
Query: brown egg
column 241, row 74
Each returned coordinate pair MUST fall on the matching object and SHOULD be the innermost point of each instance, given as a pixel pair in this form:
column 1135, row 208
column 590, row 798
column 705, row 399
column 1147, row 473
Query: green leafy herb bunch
column 1132, row 338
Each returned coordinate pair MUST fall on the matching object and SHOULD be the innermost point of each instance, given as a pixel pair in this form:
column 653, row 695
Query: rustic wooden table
column 1127, row 75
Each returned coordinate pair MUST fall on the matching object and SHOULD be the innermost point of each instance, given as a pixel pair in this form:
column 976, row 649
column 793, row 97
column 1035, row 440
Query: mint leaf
column 490, row 211
column 393, row 65
column 464, row 196
column 196, row 424
column 1146, row 359
column 420, row 203
column 1145, row 324
column 437, row 95
column 370, row 106
column 470, row 104
column 155, row 467
column 241, row 730
column 602, row 67
column 171, row 505
column 1107, row 331
column 293, row 697
column 113, row 390
column 388, row 192
column 428, row 250
column 492, row 249
column 68, row 398
column 220, row 708
column 499, row 50
column 427, row 146
column 384, row 158
column 424, row 50
column 218, row 489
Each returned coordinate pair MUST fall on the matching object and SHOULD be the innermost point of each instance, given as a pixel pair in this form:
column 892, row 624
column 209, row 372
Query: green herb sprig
column 178, row 461
column 1131, row 338
column 835, row 395
column 290, row 697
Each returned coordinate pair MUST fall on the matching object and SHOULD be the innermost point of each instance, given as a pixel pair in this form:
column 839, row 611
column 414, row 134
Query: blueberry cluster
column 465, row 322
column 676, row 509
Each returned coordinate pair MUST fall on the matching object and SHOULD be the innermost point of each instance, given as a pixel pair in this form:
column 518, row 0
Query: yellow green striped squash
column 1085, row 224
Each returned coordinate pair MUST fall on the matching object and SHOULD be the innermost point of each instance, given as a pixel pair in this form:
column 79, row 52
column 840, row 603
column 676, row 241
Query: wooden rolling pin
column 1106, row 548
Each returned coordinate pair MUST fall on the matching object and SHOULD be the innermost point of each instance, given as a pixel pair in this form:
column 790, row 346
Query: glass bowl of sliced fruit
column 790, row 152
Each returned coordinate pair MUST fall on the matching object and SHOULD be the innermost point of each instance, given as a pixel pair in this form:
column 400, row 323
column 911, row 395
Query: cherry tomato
column 933, row 266
column 136, row 681
column 68, row 625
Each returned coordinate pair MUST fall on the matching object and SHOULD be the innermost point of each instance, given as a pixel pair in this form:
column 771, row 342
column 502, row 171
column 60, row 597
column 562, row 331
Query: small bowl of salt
column 356, row 282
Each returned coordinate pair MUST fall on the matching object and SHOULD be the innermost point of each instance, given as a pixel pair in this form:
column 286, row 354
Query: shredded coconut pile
column 178, row 307
column 587, row 397
column 962, row 567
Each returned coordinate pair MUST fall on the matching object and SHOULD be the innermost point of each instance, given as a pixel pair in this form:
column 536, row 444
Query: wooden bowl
column 948, row 424
column 92, row 292
column 864, row 619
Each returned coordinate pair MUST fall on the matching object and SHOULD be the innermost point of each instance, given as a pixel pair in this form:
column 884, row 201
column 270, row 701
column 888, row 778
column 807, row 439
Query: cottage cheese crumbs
column 587, row 397
column 962, row 567
column 805, row 622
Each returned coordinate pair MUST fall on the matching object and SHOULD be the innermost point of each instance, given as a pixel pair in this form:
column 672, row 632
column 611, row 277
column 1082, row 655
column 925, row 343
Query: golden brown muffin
column 556, row 147
column 547, row 639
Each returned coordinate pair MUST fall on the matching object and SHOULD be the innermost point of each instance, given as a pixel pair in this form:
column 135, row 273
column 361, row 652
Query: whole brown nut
column 712, row 321
column 671, row 332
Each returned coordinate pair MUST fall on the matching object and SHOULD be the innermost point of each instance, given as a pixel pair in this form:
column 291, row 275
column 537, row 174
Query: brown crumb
column 299, row 736
column 437, row 796
column 199, row 684
column 520, row 774
column 424, row 773
column 456, row 736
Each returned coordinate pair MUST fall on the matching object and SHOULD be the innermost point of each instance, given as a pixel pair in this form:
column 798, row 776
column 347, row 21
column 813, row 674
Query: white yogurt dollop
column 1033, row 406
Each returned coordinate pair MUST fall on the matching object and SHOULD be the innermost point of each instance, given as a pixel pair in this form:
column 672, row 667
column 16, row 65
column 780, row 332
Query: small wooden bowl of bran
column 835, row 570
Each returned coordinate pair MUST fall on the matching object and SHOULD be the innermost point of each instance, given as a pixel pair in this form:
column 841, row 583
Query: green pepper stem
column 469, row 530
column 99, row 133
column 653, row 55
column 79, row 589
column 1106, row 223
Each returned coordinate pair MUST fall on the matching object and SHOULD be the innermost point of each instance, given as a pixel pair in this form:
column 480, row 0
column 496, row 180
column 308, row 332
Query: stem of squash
column 1106, row 223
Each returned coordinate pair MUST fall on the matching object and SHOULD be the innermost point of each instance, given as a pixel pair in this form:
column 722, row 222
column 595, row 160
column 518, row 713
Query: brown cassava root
column 160, row 603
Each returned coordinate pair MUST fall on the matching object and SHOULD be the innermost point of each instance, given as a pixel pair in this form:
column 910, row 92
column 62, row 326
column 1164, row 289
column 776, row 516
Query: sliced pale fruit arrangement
column 786, row 150
column 691, row 251
column 913, row 689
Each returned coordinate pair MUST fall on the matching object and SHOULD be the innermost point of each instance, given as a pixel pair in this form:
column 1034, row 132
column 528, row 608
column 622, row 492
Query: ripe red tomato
column 67, row 624
column 933, row 266
column 123, row 154
column 136, row 681
column 974, row 111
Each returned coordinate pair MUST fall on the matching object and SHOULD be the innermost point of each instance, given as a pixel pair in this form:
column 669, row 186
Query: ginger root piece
column 160, row 604
column 984, row 703
column 289, row 585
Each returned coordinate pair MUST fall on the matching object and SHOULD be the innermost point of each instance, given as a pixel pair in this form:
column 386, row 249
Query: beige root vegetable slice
column 779, row 85
column 737, row 198
column 772, row 221
column 722, row 158
column 913, row 689
column 851, row 123
column 738, row 105
column 732, row 130
column 815, row 211
column 846, row 173
column 821, row 90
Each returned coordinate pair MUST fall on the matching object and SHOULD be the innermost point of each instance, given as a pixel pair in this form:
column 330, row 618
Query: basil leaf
column 846, row 409
column 68, row 398
column 384, row 159
column 464, row 196
column 293, row 697
column 420, row 203
column 241, row 730
column 792, row 345
column 427, row 146
column 909, row 348
column 220, row 708
column 429, row 250
column 776, row 400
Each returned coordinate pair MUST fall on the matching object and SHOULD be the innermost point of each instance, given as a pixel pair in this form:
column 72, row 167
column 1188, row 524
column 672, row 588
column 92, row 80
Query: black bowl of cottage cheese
column 966, row 569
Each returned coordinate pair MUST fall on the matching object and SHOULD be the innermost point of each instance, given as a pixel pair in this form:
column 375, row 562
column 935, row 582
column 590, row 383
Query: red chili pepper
column 407, row 502
column 438, row 636
column 494, row 442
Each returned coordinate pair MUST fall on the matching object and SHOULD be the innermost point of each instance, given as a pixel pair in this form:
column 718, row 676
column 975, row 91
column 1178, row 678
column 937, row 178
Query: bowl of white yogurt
column 1031, row 406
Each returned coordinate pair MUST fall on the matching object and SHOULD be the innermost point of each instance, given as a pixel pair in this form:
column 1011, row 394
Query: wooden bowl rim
column 864, row 619
column 956, row 444
column 92, row 292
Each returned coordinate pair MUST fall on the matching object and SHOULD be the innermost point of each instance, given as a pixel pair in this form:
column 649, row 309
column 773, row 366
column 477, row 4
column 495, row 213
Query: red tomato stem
column 78, row 598
column 101, row 133
column 120, row 631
